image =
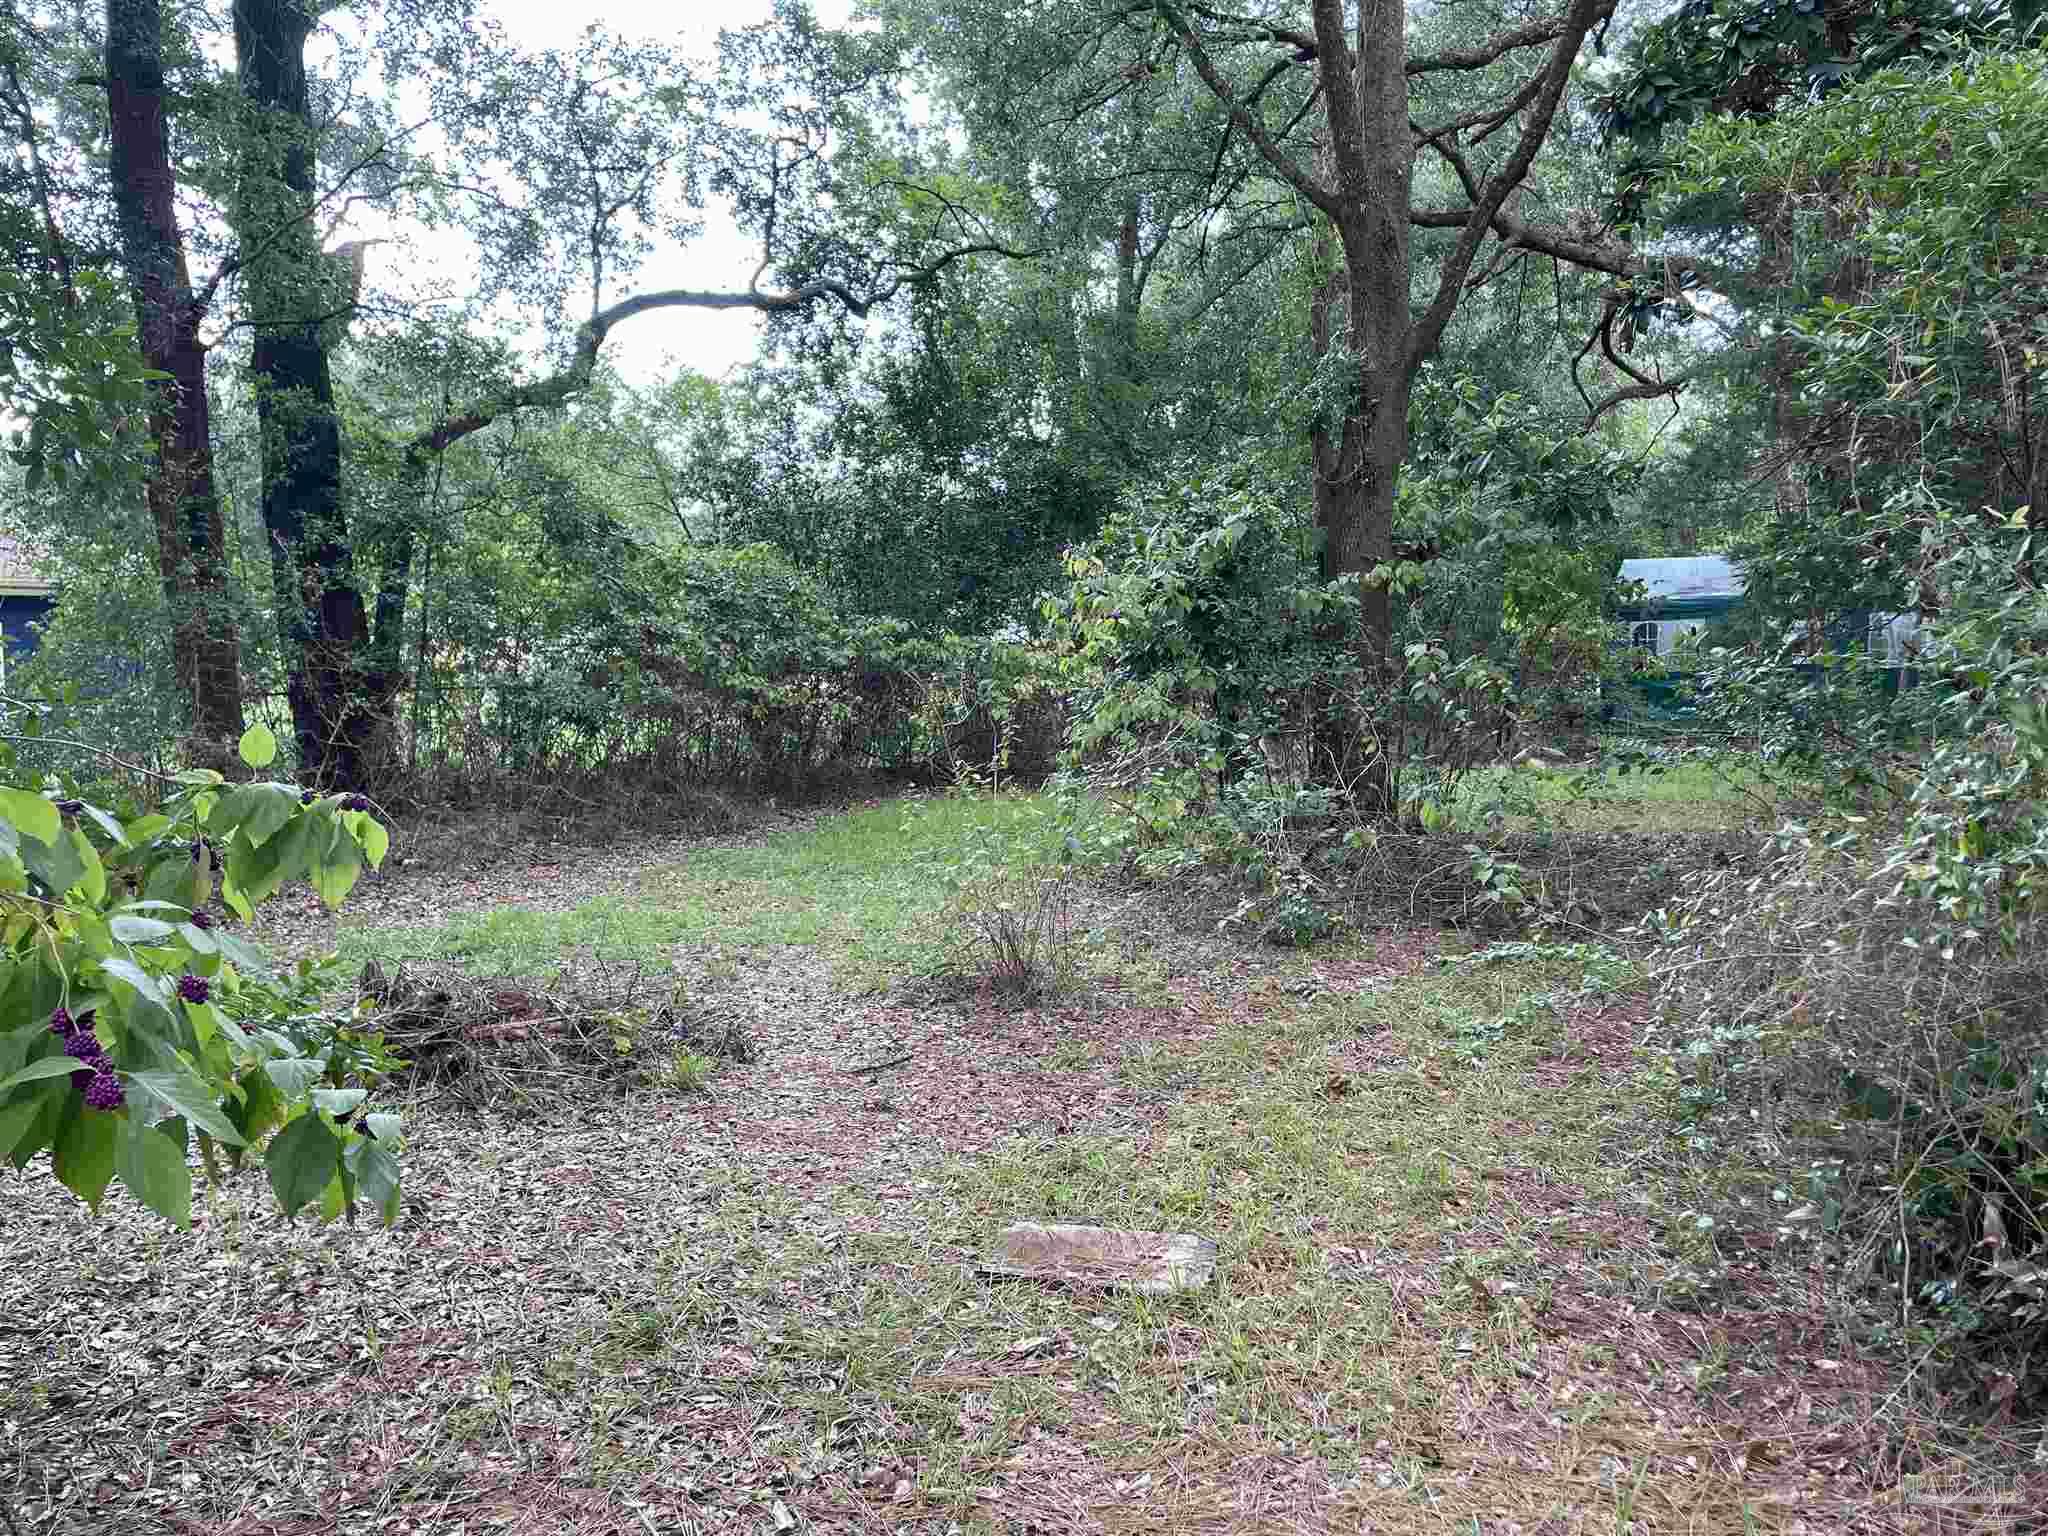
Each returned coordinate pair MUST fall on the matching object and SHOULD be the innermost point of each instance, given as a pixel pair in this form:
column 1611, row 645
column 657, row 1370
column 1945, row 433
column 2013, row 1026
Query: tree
column 618, row 144
column 184, row 505
column 338, row 706
column 1333, row 119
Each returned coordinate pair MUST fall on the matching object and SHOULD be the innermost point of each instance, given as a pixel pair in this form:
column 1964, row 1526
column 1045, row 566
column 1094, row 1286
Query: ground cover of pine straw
column 1461, row 1288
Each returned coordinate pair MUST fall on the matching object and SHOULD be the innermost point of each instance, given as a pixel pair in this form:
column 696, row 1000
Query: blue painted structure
column 26, row 598
column 1682, row 595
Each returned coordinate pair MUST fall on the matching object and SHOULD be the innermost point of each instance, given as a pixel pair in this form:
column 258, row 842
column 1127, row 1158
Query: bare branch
column 1643, row 387
column 1485, row 119
column 590, row 338
column 1591, row 252
column 1253, row 29
column 1496, row 47
column 1242, row 119
column 1569, row 32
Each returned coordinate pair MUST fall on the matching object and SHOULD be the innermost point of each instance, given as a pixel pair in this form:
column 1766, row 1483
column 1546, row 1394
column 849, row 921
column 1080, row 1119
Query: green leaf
column 56, row 864
column 143, row 828
column 140, row 930
column 59, row 1065
column 335, row 874
column 170, row 880
column 42, row 1129
column 16, row 1118
column 257, row 871
column 339, row 1101
column 255, row 812
column 249, row 960
column 149, row 986
column 302, row 1160
column 190, row 1096
column 258, row 746
column 334, row 1198
column 93, row 880
column 32, row 814
column 259, row 1110
column 384, row 1127
column 376, row 1175
column 10, row 839
column 376, row 841
column 294, row 1075
column 83, row 1158
column 153, row 1167
column 108, row 825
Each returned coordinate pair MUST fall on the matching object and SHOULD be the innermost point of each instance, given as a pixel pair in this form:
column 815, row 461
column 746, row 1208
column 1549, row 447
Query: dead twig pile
column 514, row 1042
column 1599, row 881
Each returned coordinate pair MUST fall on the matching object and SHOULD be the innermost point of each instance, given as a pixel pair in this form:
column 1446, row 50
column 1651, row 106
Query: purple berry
column 104, row 1091
column 84, row 1045
column 356, row 803
column 202, row 920
column 307, row 796
column 194, row 989
column 60, row 1022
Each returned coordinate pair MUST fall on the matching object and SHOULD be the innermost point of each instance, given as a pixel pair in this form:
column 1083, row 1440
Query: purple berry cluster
column 202, row 920
column 104, row 1091
column 194, row 989
column 307, row 796
column 95, row 1075
column 356, row 803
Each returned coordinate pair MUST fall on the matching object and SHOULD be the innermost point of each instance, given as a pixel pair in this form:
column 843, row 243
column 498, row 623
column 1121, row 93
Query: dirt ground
column 758, row 1308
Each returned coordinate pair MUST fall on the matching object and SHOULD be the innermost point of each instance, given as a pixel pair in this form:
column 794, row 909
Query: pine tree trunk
column 184, row 507
column 340, row 706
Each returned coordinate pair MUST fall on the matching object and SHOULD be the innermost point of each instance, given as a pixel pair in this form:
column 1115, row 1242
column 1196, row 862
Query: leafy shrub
column 1875, row 991
column 134, row 1023
column 716, row 665
column 996, row 711
column 1194, row 628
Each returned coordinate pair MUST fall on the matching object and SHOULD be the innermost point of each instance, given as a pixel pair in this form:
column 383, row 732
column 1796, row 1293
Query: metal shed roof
column 19, row 576
column 1710, row 581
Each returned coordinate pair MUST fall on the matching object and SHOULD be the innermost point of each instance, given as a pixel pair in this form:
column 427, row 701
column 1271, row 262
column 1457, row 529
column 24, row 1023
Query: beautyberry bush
column 137, row 1031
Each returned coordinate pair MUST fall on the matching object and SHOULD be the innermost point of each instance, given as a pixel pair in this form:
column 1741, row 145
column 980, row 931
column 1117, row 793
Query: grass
column 1692, row 795
column 1384, row 1276
column 858, row 887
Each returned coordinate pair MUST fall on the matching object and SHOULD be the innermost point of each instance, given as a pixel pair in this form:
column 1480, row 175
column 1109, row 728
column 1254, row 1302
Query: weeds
column 1011, row 908
column 1897, row 1089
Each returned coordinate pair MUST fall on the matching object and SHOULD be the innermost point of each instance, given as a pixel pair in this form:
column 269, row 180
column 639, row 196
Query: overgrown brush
column 1893, row 1070
column 510, row 1042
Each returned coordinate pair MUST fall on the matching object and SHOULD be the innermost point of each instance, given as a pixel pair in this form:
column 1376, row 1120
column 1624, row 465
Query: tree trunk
column 1363, row 316
column 184, row 507
column 340, row 707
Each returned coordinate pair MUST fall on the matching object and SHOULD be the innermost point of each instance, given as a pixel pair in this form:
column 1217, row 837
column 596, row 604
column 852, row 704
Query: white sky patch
column 650, row 347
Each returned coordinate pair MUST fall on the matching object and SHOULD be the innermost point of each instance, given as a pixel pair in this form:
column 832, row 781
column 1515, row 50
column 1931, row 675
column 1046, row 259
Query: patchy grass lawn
column 1464, row 1283
column 1689, row 796
column 852, row 885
